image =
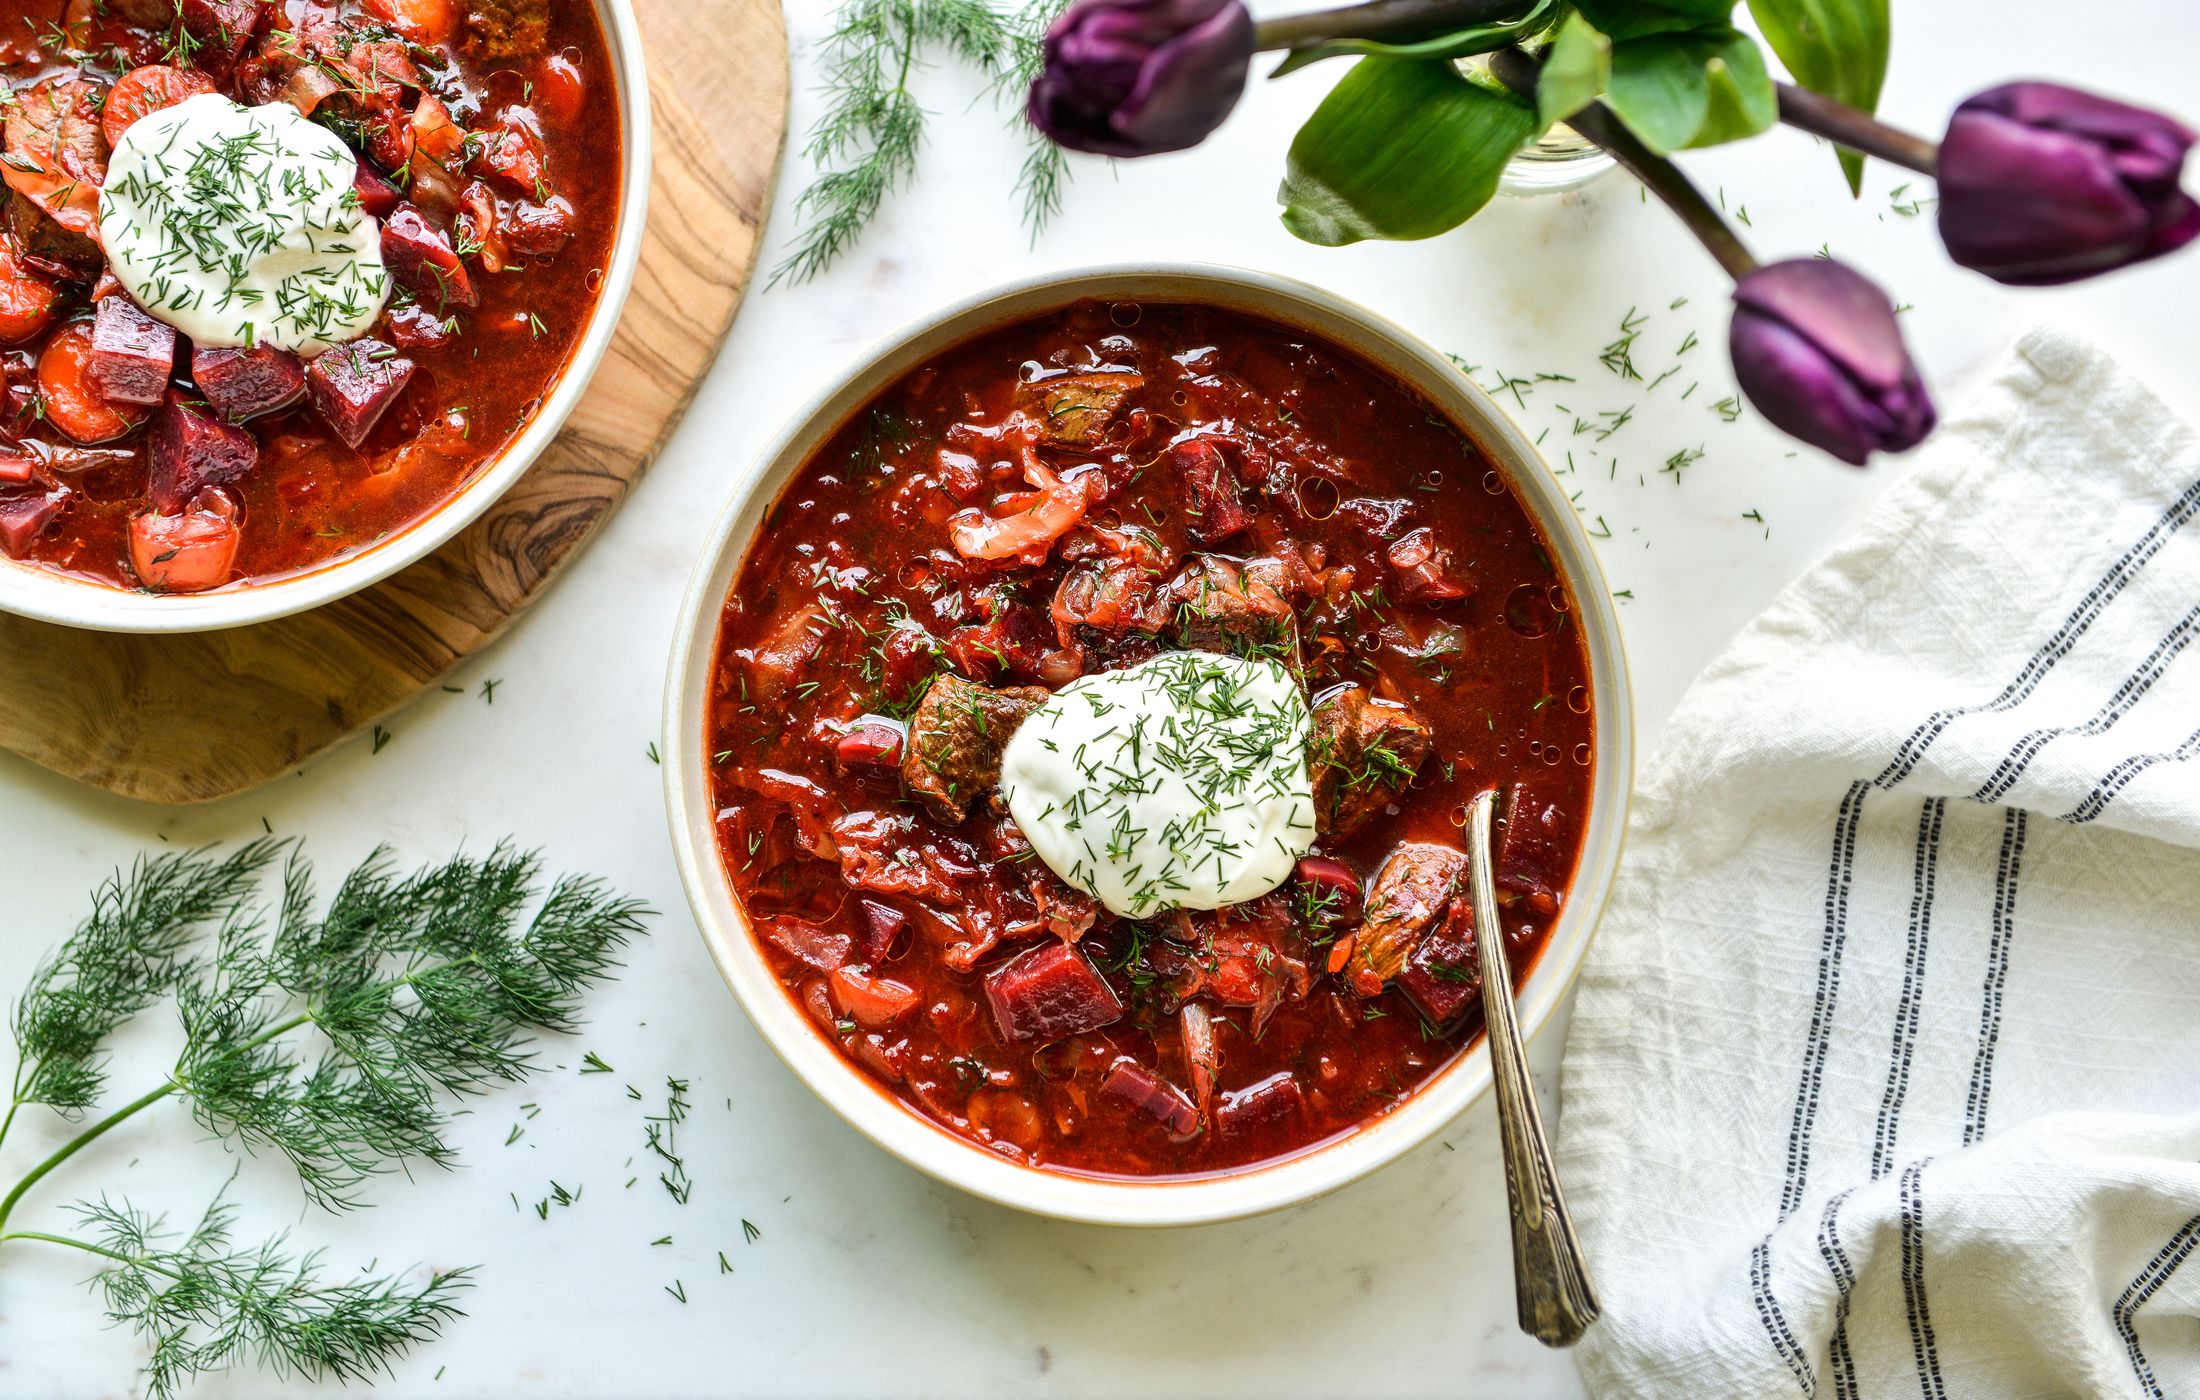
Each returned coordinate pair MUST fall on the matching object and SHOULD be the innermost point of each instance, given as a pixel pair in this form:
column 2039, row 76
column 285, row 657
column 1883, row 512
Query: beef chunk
column 1412, row 893
column 500, row 29
column 224, row 29
column 1074, row 410
column 132, row 353
column 45, row 247
column 956, row 738
column 1213, row 510
column 1110, row 597
column 1225, row 606
column 1364, row 752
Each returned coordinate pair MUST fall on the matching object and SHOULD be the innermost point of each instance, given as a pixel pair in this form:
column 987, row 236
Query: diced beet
column 871, row 742
column 1443, row 975
column 421, row 259
column 1534, row 857
column 822, row 948
column 1425, row 571
column 415, row 327
column 16, row 468
column 132, row 353
column 1212, row 507
column 1333, row 889
column 239, row 383
column 354, row 385
column 1258, row 1105
column 376, row 195
column 190, row 451
column 224, row 29
column 1049, row 993
column 24, row 516
column 882, row 924
column 1141, row 1088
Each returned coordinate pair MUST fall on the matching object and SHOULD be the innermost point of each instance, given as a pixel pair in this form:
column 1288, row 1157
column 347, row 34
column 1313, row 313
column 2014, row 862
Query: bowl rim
column 843, row 1087
column 68, row 601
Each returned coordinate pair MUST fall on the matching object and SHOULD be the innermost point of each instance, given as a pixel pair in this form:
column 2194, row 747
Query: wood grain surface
column 203, row 716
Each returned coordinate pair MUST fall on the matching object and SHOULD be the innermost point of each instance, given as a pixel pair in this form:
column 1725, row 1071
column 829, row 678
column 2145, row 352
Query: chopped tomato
column 559, row 88
column 72, row 401
column 143, row 91
column 187, row 553
column 434, row 132
column 26, row 300
column 422, row 21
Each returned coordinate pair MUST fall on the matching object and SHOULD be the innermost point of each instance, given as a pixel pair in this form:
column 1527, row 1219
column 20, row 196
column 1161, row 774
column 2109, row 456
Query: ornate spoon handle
column 1557, row 1300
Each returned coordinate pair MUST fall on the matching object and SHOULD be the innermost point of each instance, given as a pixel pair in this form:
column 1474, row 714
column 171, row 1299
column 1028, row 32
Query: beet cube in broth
column 1536, row 853
column 132, row 353
column 882, row 924
column 1141, row 1088
column 1049, row 993
column 354, row 385
column 190, row 451
column 240, row 384
column 24, row 516
column 1443, row 973
column 422, row 261
column 1273, row 1100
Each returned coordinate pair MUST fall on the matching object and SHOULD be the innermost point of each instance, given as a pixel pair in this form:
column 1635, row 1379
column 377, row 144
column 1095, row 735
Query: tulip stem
column 1660, row 176
column 1844, row 125
column 1382, row 19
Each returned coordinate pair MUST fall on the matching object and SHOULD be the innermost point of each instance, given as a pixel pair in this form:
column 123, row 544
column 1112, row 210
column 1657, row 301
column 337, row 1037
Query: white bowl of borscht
column 1071, row 723
column 291, row 293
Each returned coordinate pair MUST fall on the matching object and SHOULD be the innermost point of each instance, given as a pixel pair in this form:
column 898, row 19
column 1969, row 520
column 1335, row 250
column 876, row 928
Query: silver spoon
column 1557, row 1300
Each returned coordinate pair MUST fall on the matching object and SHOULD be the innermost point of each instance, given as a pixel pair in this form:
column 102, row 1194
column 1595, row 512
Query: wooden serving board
column 202, row 716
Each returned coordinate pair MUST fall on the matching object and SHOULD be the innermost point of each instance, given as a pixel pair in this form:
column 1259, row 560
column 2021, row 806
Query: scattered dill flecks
column 749, row 1231
column 489, row 691
column 659, row 1133
column 381, row 739
column 592, row 1063
column 865, row 146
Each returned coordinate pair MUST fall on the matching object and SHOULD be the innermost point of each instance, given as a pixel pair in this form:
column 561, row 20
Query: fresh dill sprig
column 1046, row 166
column 405, row 991
column 865, row 146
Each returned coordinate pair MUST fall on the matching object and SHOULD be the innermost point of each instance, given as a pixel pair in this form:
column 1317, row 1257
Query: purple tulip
column 1817, row 350
column 1138, row 77
column 2042, row 184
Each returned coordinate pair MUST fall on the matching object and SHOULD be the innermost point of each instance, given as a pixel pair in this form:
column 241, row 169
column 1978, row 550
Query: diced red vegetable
column 376, row 195
column 143, row 91
column 24, row 516
column 1443, row 974
column 882, row 924
column 823, row 948
column 427, row 22
column 1212, row 507
column 511, row 151
column 72, row 400
column 191, row 451
column 1535, row 855
column 871, row 742
column 1332, row 890
column 187, row 553
column 26, row 300
column 240, row 384
column 872, row 1002
column 16, row 468
column 1259, row 1105
column 559, row 87
column 422, row 261
column 1049, row 993
column 354, row 385
column 1425, row 571
column 1143, row 1089
column 224, row 29
column 538, row 230
column 133, row 354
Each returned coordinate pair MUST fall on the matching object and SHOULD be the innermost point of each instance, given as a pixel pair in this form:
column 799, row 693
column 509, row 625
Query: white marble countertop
column 865, row 1278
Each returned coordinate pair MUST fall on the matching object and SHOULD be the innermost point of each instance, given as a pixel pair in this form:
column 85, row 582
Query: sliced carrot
column 26, row 300
column 143, row 91
column 187, row 553
column 72, row 401
column 422, row 21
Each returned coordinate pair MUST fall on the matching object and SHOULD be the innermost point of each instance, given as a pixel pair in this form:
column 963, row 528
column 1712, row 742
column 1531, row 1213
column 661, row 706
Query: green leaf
column 1834, row 47
column 1695, row 89
column 1632, row 19
column 1461, row 43
column 1576, row 72
column 1400, row 148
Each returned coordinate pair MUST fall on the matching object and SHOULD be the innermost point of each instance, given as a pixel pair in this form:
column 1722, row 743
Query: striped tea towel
column 1885, row 1075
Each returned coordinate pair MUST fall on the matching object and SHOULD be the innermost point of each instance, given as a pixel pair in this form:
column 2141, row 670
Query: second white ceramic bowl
column 1181, row 1201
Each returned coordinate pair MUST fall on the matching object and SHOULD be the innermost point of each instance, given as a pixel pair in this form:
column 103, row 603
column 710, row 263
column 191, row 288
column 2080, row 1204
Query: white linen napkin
column 1885, row 1074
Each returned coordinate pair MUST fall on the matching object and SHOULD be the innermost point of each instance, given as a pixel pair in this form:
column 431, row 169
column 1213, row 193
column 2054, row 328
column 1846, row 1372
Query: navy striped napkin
column 1885, row 1074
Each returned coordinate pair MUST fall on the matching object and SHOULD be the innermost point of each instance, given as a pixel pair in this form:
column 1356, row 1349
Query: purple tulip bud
column 1817, row 350
column 1139, row 77
column 2042, row 184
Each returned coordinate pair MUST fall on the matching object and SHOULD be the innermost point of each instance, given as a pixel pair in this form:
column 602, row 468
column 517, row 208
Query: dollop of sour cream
column 239, row 226
column 1178, row 783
